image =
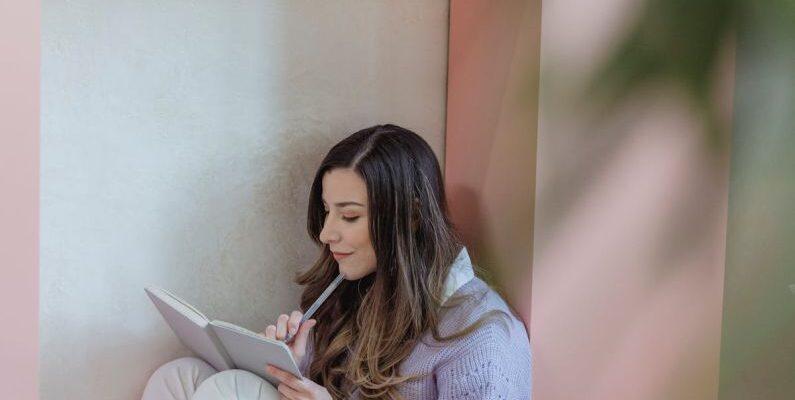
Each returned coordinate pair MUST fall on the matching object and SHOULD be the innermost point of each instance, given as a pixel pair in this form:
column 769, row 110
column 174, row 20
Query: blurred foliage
column 679, row 42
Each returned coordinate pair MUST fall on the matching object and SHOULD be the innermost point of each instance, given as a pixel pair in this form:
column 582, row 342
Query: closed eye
column 350, row 219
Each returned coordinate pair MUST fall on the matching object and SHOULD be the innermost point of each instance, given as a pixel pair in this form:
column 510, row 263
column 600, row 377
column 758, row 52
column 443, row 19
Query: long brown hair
column 368, row 327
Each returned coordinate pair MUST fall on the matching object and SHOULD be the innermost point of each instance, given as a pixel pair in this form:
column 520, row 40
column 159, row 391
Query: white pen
column 313, row 308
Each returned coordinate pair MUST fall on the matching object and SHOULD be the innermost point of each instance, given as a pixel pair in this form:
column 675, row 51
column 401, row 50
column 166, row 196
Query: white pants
column 190, row 378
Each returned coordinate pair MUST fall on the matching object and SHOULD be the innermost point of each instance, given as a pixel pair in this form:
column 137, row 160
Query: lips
column 338, row 256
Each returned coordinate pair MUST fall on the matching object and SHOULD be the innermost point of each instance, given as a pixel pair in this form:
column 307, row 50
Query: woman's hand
column 293, row 388
column 290, row 323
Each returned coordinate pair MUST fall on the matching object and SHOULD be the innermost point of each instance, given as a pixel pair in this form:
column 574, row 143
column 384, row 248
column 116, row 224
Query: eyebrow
column 345, row 204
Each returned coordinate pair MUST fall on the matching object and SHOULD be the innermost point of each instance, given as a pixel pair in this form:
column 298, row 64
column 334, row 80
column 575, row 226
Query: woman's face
column 346, row 229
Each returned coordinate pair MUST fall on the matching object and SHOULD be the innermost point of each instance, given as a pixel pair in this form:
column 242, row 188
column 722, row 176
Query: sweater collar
column 460, row 273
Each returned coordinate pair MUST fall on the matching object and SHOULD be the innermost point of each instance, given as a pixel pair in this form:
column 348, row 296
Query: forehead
column 344, row 185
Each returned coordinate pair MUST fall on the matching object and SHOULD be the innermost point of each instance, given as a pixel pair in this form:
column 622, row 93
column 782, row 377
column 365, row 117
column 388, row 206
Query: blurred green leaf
column 673, row 42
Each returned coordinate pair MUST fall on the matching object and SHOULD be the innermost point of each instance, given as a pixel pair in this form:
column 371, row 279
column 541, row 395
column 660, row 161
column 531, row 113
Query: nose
column 329, row 233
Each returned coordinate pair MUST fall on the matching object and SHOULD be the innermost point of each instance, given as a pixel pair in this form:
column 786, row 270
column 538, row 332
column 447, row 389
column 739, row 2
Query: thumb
column 299, row 343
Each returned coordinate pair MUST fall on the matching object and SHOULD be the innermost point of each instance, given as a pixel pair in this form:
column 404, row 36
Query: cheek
column 361, row 237
column 365, row 246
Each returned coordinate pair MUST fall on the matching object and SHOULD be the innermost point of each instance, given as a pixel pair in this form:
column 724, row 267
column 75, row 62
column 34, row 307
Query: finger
column 294, row 321
column 288, row 392
column 286, row 378
column 281, row 327
column 299, row 343
column 270, row 332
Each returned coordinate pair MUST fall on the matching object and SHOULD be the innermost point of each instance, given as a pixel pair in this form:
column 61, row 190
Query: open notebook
column 222, row 344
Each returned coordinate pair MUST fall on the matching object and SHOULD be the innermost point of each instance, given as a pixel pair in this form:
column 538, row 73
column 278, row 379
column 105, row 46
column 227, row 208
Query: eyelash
column 346, row 219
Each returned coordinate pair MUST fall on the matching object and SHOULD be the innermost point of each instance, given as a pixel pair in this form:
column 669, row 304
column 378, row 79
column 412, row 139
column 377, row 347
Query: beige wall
column 178, row 144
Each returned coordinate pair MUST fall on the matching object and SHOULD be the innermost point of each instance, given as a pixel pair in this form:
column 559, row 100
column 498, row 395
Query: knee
column 178, row 378
column 187, row 367
column 236, row 384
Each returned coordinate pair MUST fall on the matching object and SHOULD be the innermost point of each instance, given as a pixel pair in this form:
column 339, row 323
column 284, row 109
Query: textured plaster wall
column 178, row 141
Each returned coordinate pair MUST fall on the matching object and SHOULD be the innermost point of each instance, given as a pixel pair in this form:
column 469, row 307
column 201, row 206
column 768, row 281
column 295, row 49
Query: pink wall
column 19, row 179
column 491, row 135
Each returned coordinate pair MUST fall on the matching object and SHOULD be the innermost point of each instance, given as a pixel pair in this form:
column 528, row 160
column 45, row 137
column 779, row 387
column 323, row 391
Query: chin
column 352, row 274
column 349, row 275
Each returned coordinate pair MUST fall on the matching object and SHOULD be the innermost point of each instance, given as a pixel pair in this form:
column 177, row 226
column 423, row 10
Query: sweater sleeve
column 486, row 368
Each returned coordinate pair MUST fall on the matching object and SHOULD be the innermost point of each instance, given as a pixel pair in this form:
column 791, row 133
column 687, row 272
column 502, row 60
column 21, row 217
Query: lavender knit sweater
column 491, row 363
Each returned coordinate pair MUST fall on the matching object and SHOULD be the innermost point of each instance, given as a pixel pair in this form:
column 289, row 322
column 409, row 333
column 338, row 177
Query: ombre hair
column 371, row 325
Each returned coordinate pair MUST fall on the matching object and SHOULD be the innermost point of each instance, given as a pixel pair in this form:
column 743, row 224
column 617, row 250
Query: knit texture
column 493, row 362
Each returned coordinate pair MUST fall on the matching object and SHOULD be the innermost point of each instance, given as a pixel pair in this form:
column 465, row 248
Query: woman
column 410, row 321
